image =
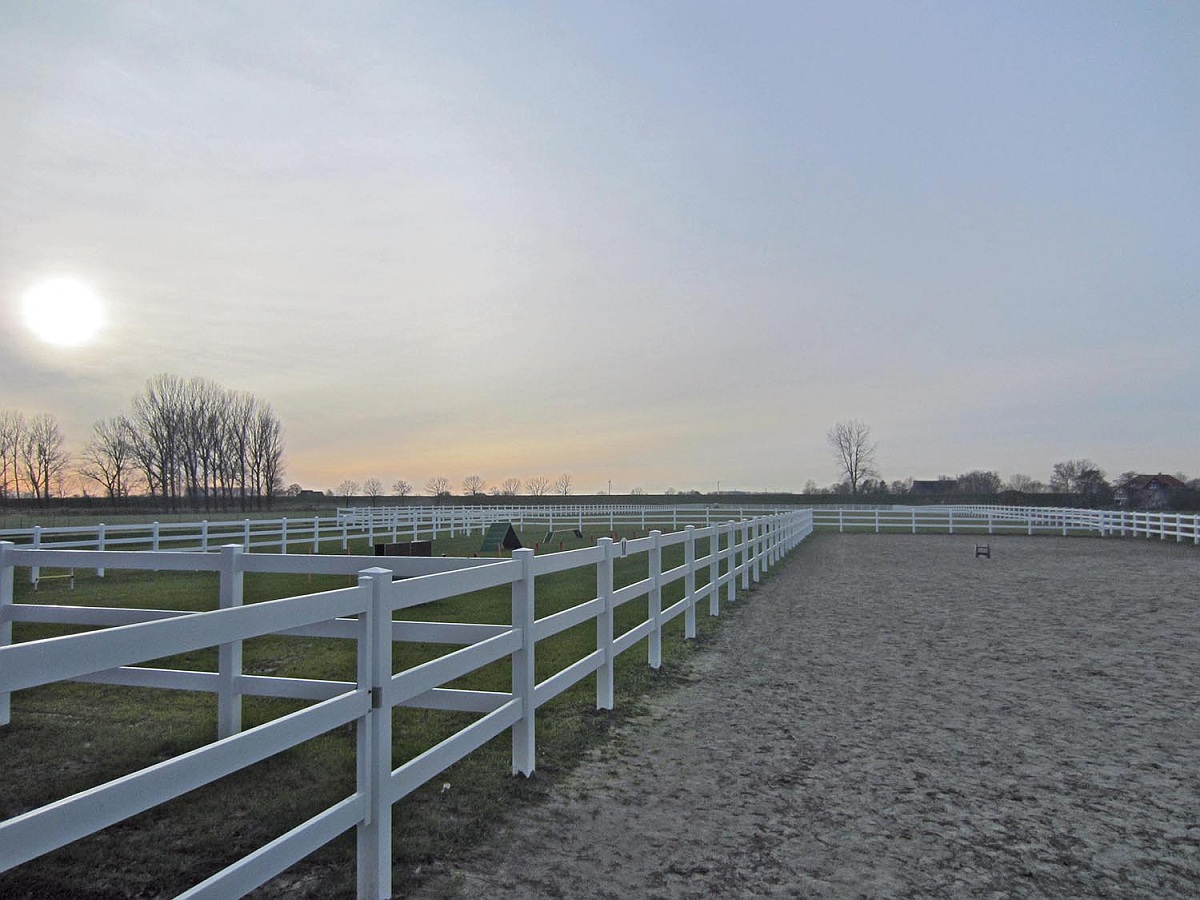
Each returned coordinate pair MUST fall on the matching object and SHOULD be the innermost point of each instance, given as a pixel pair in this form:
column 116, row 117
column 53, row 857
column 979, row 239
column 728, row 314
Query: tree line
column 440, row 487
column 854, row 452
column 188, row 443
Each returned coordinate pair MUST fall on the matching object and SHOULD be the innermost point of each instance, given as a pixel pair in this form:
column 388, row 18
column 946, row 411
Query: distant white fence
column 314, row 534
column 737, row 551
column 1027, row 520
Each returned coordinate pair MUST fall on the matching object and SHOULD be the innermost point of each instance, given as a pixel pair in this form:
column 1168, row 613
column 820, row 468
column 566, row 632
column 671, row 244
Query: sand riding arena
column 894, row 716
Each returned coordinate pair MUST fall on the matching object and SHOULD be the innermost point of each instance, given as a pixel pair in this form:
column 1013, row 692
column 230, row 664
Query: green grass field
column 68, row 737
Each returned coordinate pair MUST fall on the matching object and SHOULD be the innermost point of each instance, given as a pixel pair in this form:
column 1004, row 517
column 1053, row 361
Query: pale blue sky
column 666, row 244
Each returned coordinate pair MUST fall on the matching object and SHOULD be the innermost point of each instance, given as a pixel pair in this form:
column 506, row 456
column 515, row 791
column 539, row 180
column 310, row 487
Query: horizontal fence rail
column 1027, row 520
column 719, row 557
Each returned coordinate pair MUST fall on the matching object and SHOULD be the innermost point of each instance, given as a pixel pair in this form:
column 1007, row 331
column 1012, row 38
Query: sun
column 63, row 311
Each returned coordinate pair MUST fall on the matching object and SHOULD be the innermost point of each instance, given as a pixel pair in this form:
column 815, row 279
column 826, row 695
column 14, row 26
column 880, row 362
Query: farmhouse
column 1148, row 491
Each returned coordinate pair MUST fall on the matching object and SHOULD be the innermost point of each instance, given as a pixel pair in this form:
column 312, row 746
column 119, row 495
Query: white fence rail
column 1027, row 520
column 737, row 553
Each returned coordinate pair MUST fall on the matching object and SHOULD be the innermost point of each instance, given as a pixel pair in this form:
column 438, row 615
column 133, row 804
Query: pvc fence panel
column 103, row 616
column 163, row 560
column 671, row 575
column 291, row 688
column 420, row 769
column 459, row 700
column 173, row 679
column 632, row 591
column 568, row 618
column 571, row 675
column 52, row 826
column 285, row 851
column 670, row 539
column 402, row 566
column 339, row 629
column 638, row 545
column 632, row 636
column 419, row 679
column 570, row 559
column 446, row 632
column 428, row 588
column 673, row 610
column 55, row 659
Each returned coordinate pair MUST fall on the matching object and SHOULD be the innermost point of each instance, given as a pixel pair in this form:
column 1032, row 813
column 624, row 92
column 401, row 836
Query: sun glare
column 63, row 311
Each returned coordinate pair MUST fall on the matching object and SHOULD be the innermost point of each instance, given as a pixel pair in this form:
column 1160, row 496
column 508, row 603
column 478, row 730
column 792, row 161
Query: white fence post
column 756, row 549
column 246, row 536
column 730, row 562
column 374, row 732
column 229, row 656
column 34, row 571
column 6, row 600
column 744, row 543
column 714, row 571
column 204, row 536
column 154, row 537
column 689, row 582
column 654, row 647
column 604, row 625
column 524, row 745
column 316, row 534
column 100, row 546
column 283, row 537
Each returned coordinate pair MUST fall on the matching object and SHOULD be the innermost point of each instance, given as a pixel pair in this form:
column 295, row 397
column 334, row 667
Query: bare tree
column 510, row 487
column 854, row 451
column 266, row 454
column 538, row 486
column 979, row 482
column 1082, row 477
column 108, row 458
column 12, row 428
column 401, row 488
column 155, row 418
column 43, row 455
column 1025, row 484
column 373, row 487
column 562, row 484
column 438, row 486
column 473, row 485
column 347, row 489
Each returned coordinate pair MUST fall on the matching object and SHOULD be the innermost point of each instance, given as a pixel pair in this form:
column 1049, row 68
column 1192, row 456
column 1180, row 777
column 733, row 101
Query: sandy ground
column 893, row 717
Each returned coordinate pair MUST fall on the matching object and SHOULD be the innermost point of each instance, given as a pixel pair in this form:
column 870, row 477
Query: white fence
column 314, row 534
column 736, row 552
column 1014, row 520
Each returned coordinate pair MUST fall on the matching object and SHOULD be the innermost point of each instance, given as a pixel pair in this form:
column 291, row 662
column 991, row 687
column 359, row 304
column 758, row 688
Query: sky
column 652, row 244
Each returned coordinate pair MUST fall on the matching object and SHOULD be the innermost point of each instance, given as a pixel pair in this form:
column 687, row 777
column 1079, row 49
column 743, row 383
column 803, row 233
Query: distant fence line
column 312, row 534
column 732, row 552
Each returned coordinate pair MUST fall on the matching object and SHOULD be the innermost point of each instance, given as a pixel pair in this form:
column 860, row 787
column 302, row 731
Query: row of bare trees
column 472, row 486
column 33, row 456
column 188, row 443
